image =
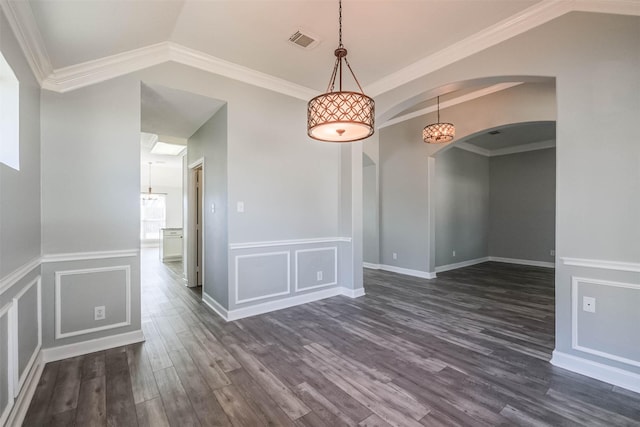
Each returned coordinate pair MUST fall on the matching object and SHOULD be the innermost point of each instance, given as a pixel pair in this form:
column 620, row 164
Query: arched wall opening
column 407, row 165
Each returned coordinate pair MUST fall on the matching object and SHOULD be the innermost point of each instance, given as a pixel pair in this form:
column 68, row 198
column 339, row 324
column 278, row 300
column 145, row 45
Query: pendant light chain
column 340, row 24
column 438, row 109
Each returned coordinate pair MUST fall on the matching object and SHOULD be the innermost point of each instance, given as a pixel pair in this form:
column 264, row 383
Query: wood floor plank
column 282, row 395
column 39, row 406
column 65, row 393
column 142, row 380
column 92, row 403
column 154, row 347
column 209, row 369
column 176, row 403
column 208, row 410
column 236, row 408
column 469, row 348
column 260, row 402
column 151, row 413
column 119, row 396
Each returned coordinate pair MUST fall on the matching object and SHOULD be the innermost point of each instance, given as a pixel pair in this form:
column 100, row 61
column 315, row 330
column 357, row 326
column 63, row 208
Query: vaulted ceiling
column 73, row 43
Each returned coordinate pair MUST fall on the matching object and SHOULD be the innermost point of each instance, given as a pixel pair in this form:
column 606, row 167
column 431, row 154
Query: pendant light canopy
column 438, row 133
column 340, row 116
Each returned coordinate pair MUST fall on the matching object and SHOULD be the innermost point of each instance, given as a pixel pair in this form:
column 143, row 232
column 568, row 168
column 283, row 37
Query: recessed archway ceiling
column 73, row 43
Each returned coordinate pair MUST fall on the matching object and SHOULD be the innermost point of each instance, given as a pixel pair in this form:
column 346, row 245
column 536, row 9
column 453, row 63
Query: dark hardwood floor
column 470, row 348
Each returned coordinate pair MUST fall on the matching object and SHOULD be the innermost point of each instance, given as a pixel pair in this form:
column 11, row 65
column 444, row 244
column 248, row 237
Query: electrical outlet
column 552, row 252
column 395, row 255
column 589, row 304
column 454, row 253
column 319, row 275
column 213, row 208
column 99, row 313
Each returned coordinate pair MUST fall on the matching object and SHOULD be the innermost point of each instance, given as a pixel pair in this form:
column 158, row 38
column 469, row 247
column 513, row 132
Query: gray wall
column 523, row 205
column 210, row 142
column 462, row 206
column 20, row 190
column 90, row 202
column 20, row 227
column 371, row 238
column 597, row 83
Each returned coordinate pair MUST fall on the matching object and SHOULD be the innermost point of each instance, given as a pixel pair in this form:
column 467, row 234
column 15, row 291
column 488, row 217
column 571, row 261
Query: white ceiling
column 382, row 36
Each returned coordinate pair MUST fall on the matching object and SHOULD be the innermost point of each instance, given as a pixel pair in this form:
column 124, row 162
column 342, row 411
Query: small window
column 153, row 214
column 9, row 116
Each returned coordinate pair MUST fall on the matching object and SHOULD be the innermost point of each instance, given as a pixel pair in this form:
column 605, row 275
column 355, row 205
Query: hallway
column 469, row 348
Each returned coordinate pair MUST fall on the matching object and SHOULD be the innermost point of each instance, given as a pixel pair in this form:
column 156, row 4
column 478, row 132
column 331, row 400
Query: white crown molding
column 519, row 23
column 450, row 103
column 534, row 146
column 23, row 24
column 471, row 148
column 212, row 64
column 99, row 70
column 25, row 29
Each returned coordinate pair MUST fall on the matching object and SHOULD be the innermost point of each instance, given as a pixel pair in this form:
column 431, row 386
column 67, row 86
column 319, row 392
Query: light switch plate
column 240, row 206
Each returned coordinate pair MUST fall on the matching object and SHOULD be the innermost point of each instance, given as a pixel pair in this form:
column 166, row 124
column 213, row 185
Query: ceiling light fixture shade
column 438, row 133
column 340, row 116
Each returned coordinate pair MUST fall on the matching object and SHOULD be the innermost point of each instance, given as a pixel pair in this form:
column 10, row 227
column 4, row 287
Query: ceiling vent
column 304, row 39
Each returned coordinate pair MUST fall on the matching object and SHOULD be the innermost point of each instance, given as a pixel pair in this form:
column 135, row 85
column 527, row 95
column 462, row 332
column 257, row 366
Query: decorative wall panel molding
column 576, row 282
column 59, row 275
column 8, row 362
column 266, row 244
column 602, row 264
column 15, row 276
column 83, row 256
column 301, row 287
column 19, row 378
column 238, row 272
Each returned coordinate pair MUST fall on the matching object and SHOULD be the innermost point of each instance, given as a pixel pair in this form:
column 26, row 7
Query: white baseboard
column 266, row 307
column 91, row 346
column 353, row 293
column 522, row 262
column 371, row 266
column 21, row 405
column 599, row 371
column 461, row 264
column 408, row 272
column 215, row 306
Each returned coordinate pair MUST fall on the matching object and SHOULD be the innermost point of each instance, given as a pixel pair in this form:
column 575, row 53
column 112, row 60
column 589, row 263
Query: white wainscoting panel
column 576, row 308
column 8, row 361
column 18, row 377
column 238, row 259
column 333, row 249
column 58, row 300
